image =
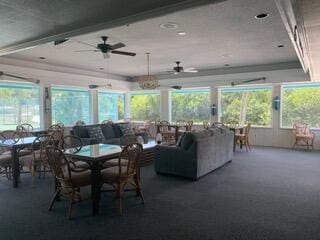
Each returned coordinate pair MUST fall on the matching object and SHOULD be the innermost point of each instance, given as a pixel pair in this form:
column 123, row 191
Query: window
column 247, row 105
column 301, row 103
column 70, row 105
column 145, row 106
column 190, row 105
column 19, row 104
column 111, row 106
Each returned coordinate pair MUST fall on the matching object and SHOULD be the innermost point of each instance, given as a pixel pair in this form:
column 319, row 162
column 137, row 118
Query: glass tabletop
column 96, row 151
column 20, row 142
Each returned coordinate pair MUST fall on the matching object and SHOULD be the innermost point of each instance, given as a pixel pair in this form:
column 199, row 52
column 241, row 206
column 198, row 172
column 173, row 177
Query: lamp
column 148, row 81
column 159, row 138
column 276, row 103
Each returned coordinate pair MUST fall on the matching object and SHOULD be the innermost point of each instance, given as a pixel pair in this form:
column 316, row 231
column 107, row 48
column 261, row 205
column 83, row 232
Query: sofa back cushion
column 96, row 133
column 187, row 140
column 107, row 131
column 117, row 131
column 80, row 131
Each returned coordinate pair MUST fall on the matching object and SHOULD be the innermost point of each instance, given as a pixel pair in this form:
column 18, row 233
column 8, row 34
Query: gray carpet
column 265, row 194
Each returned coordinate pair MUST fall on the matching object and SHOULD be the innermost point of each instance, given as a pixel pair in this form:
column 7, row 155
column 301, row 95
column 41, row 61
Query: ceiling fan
column 30, row 80
column 179, row 69
column 94, row 86
column 106, row 49
column 248, row 81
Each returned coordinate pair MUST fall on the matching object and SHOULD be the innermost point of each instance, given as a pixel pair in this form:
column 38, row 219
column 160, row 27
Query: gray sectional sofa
column 196, row 154
column 104, row 133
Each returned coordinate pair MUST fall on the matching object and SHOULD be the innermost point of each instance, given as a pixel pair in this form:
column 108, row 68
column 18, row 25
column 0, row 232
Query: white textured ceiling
column 217, row 34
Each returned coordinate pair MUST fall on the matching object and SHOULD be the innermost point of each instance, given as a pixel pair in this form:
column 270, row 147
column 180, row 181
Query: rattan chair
column 109, row 121
column 24, row 129
column 145, row 127
column 217, row 124
column 243, row 138
column 206, row 125
column 80, row 123
column 37, row 162
column 57, row 132
column 69, row 177
column 123, row 174
column 303, row 136
column 5, row 153
column 168, row 135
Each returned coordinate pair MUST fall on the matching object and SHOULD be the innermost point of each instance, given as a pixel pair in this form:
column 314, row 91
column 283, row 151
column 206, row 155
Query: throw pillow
column 107, row 131
column 126, row 129
column 96, row 133
column 186, row 141
column 117, row 131
column 80, row 131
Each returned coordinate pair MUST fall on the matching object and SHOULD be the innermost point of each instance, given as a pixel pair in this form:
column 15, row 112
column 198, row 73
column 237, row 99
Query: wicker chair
column 123, row 174
column 38, row 161
column 217, row 124
column 165, row 130
column 5, row 153
column 107, row 121
column 206, row 125
column 56, row 131
column 80, row 123
column 243, row 138
column 145, row 127
column 24, row 129
column 303, row 136
column 69, row 177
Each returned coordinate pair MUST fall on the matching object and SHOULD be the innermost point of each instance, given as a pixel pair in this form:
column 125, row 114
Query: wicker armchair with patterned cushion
column 303, row 136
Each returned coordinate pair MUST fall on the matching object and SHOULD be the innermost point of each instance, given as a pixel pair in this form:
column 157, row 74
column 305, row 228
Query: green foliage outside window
column 111, row 106
column 247, row 105
column 145, row 106
column 190, row 105
column 301, row 104
column 69, row 106
column 19, row 104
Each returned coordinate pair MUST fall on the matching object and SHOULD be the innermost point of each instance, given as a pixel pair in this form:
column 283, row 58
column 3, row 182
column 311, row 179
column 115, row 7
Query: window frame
column 282, row 87
column 110, row 91
column 191, row 90
column 139, row 92
column 252, row 86
column 25, row 85
column 78, row 89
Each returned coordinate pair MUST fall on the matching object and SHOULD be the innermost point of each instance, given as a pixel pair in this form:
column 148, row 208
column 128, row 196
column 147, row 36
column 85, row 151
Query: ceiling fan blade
column 254, row 80
column 106, row 55
column 191, row 70
column 124, row 53
column 31, row 80
column 116, row 46
column 87, row 50
column 88, row 44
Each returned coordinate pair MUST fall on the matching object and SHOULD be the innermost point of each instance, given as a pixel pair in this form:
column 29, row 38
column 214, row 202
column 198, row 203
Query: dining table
column 95, row 156
column 15, row 146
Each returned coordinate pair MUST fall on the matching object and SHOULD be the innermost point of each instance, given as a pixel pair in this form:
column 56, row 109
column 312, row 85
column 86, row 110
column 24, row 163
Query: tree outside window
column 145, row 106
column 111, row 106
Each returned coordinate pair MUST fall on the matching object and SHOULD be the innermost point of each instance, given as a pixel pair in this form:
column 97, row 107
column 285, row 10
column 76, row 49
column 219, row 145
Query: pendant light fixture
column 148, row 82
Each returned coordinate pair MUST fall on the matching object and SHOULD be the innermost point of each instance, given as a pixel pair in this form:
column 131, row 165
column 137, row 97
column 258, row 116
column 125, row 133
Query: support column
column 94, row 107
column 214, row 91
column 165, row 105
column 46, row 105
column 127, row 107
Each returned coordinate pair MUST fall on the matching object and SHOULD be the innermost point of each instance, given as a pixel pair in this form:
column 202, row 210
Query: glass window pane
column 301, row 104
column 247, row 105
column 190, row 105
column 145, row 106
column 111, row 106
column 19, row 104
column 70, row 105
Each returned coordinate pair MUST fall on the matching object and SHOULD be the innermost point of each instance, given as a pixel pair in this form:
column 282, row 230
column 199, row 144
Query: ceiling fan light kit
column 148, row 82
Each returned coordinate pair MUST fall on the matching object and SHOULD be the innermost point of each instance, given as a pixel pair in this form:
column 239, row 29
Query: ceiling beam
column 138, row 13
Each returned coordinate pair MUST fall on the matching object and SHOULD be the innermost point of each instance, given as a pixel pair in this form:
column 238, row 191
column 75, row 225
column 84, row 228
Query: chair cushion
column 115, row 162
column 187, row 140
column 5, row 158
column 96, row 133
column 80, row 131
column 117, row 131
column 112, row 173
column 306, row 136
column 79, row 179
column 107, row 131
column 126, row 129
